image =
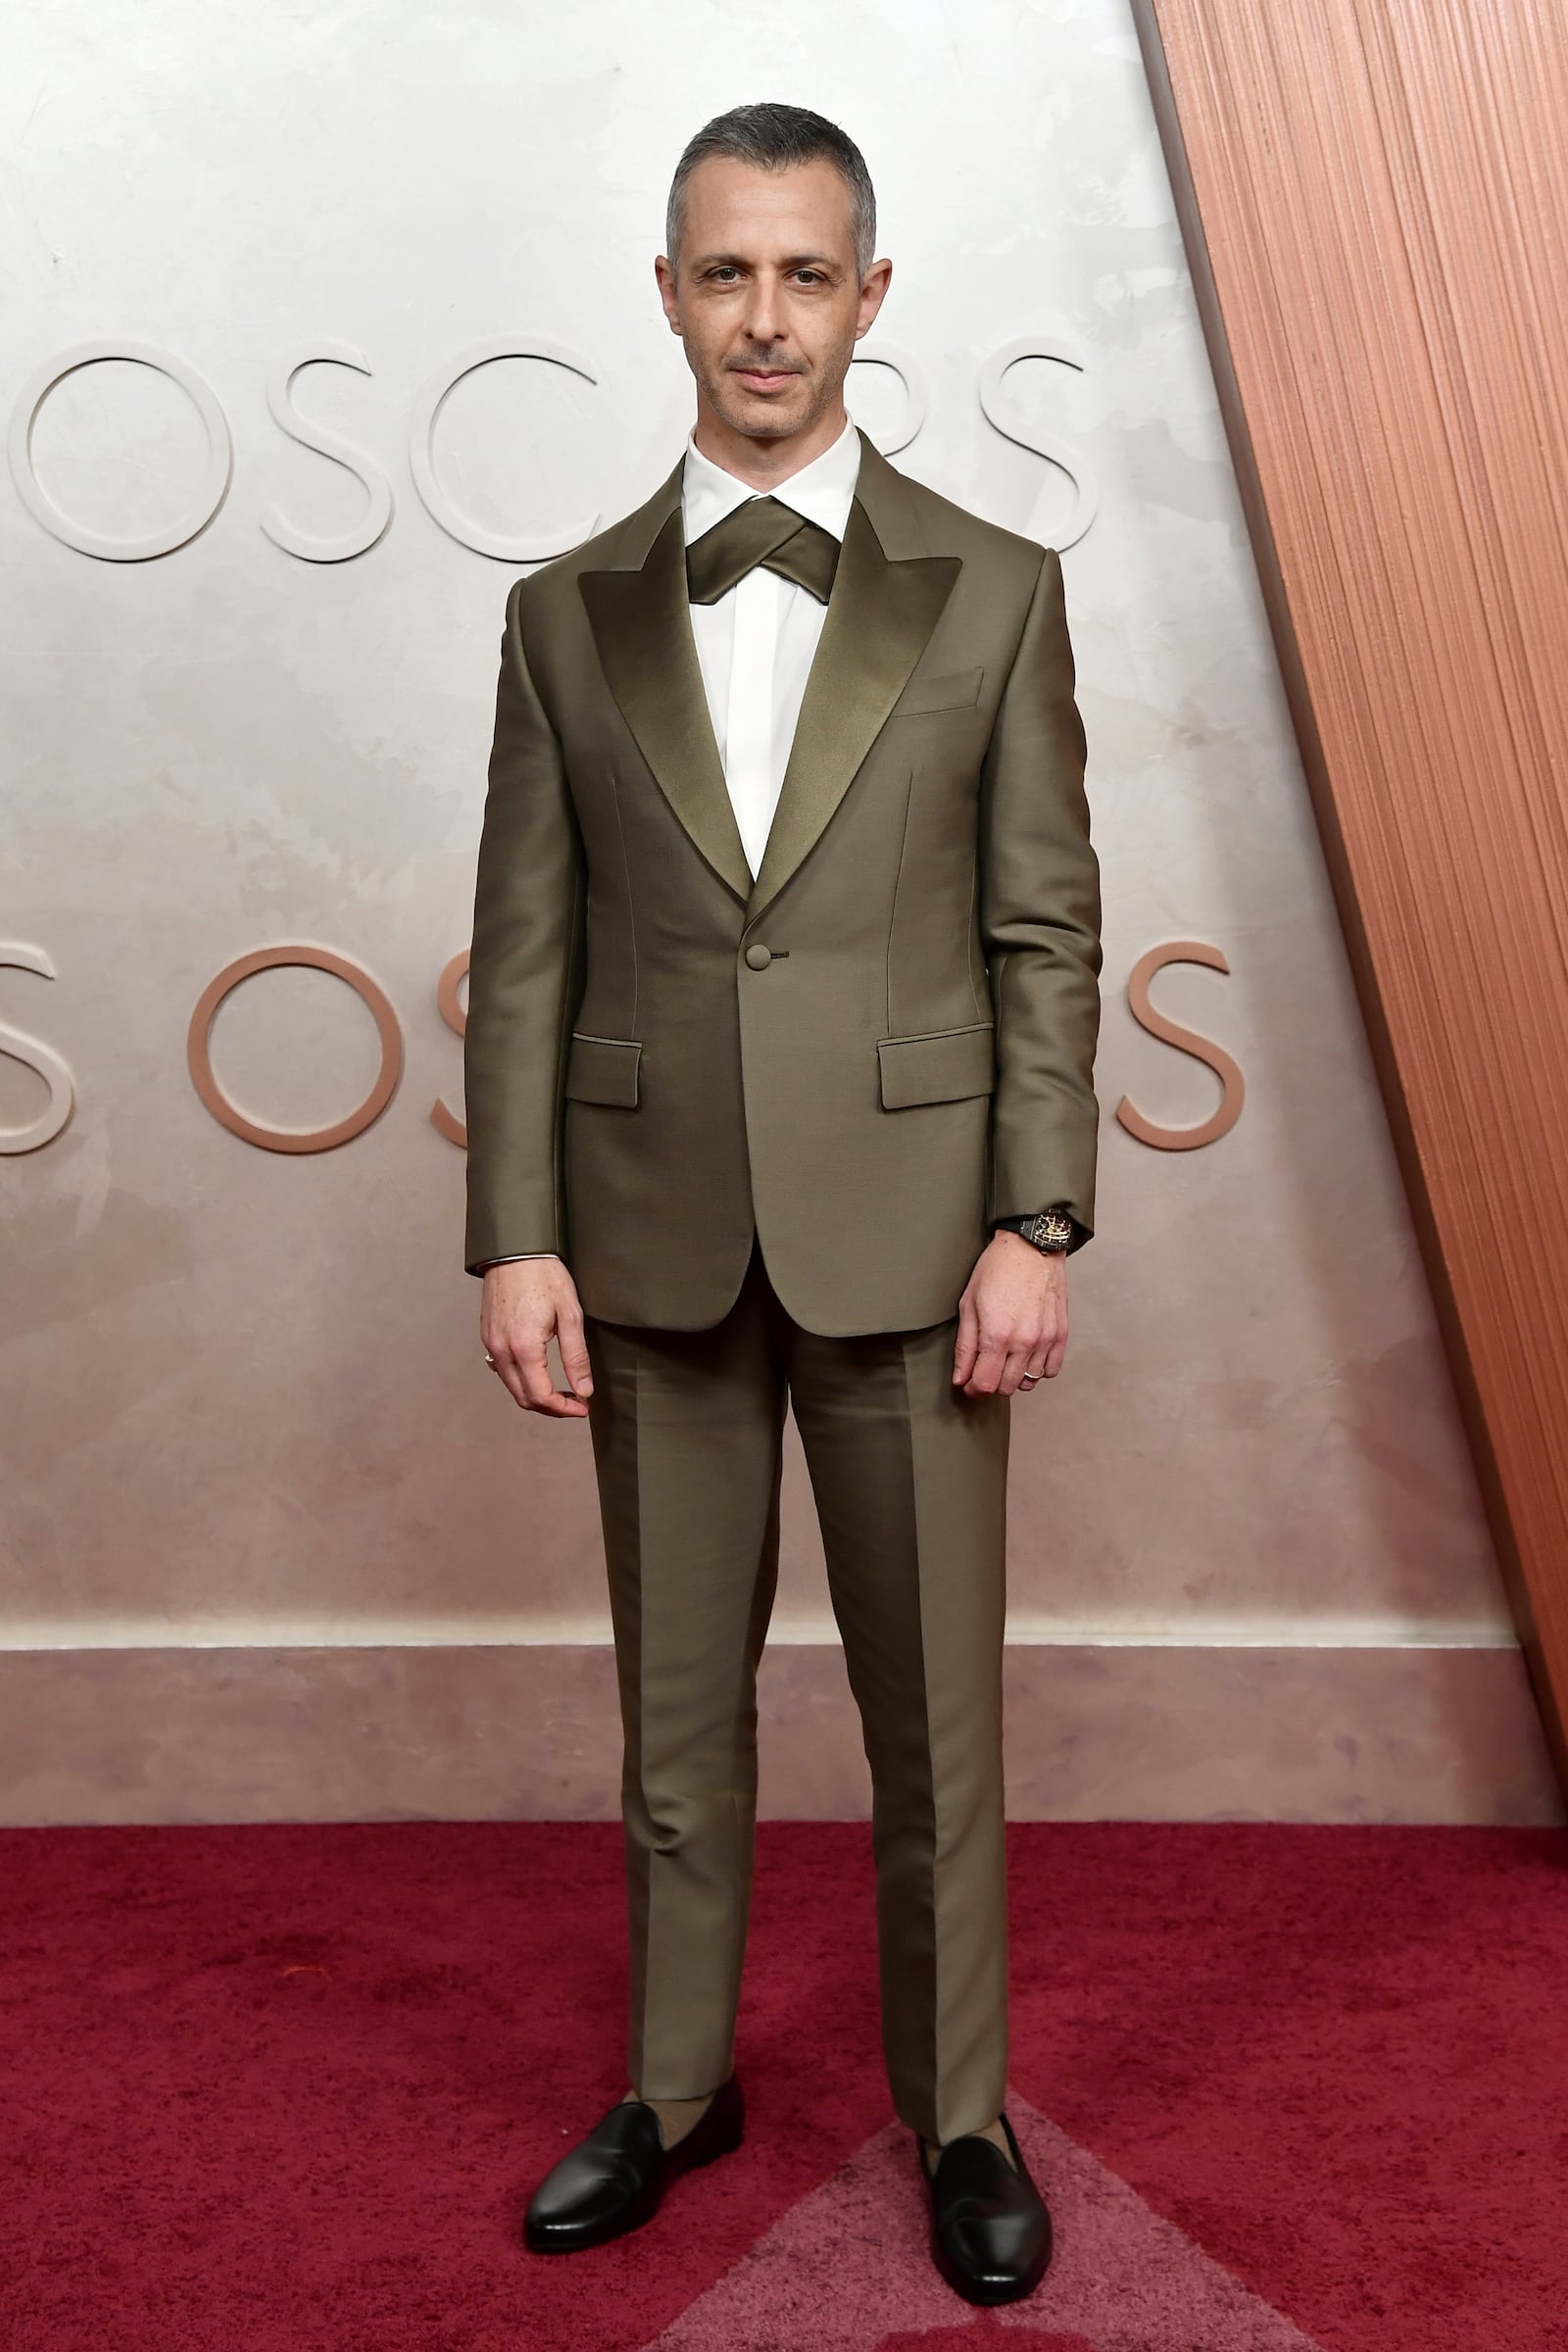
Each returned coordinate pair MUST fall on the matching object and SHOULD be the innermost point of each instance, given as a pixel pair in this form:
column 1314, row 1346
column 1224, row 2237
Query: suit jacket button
column 759, row 956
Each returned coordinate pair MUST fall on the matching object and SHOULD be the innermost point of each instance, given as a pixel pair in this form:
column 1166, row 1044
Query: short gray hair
column 771, row 137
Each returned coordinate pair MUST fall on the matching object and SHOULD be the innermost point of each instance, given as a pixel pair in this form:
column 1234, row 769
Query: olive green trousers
column 909, row 1481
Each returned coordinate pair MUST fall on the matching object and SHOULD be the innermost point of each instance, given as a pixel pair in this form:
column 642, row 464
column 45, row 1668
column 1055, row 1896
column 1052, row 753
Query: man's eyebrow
column 739, row 261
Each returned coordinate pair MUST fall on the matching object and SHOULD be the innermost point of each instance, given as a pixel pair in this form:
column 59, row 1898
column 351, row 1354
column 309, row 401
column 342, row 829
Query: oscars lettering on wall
column 46, row 1064
column 535, row 547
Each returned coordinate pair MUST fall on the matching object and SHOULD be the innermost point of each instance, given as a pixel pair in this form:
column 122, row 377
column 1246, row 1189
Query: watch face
column 1050, row 1230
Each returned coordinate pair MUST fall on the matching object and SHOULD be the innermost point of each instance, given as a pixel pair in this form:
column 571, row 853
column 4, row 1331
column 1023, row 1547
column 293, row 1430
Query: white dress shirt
column 756, row 644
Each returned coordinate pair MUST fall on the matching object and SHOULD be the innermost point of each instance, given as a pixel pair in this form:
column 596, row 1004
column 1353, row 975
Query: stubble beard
column 761, row 419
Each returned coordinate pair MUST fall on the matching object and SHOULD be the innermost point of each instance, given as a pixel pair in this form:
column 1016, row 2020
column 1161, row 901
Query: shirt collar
column 822, row 491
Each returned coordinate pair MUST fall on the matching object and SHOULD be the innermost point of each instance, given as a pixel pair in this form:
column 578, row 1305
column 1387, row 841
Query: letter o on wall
column 216, row 474
column 286, row 1138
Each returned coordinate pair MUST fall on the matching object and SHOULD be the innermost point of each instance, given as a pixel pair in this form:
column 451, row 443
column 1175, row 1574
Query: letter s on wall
column 363, row 468
column 1062, row 454
column 450, row 1005
column 38, row 1057
column 1187, row 1041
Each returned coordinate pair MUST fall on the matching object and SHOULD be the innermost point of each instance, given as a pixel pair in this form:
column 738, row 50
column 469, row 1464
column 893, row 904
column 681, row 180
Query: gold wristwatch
column 1048, row 1229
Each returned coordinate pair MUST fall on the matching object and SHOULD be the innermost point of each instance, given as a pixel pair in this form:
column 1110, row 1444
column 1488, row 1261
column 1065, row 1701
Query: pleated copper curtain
column 1373, row 195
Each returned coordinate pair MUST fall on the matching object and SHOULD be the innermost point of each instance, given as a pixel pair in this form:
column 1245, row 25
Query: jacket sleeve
column 524, row 974
column 1040, row 918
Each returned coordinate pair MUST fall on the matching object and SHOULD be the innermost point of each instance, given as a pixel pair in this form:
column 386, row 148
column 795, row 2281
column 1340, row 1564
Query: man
column 783, row 1007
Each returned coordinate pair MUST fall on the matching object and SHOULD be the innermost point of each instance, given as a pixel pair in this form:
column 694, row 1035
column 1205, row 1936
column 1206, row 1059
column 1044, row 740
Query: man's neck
column 763, row 464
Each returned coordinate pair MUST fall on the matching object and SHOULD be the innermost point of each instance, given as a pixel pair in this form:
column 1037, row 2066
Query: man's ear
column 873, row 289
column 665, row 275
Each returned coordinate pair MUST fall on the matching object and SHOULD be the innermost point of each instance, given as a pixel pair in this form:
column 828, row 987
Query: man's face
column 768, row 300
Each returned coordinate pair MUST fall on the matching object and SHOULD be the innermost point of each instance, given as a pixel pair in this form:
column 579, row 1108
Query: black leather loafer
column 990, row 2230
column 613, row 2180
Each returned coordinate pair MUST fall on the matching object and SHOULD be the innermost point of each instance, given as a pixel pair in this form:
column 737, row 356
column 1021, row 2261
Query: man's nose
column 764, row 321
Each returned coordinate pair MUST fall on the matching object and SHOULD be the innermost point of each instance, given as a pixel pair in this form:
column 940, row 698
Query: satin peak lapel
column 879, row 621
column 642, row 628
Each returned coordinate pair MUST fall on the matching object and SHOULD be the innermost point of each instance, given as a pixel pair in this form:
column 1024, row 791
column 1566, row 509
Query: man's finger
column 1014, row 1364
column 575, row 1354
column 528, row 1380
column 988, row 1363
column 509, row 1377
column 1024, row 1354
column 967, row 1346
column 561, row 1407
column 525, row 1367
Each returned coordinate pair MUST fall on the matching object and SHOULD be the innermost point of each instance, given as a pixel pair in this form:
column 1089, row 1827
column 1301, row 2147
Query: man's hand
column 1013, row 1318
column 523, row 1303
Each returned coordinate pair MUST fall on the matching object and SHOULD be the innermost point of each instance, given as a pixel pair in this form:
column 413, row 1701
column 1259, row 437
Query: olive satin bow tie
column 763, row 531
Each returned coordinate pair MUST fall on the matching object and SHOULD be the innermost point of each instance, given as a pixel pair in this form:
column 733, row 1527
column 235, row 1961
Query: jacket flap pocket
column 958, row 690
column 603, row 1070
column 942, row 1067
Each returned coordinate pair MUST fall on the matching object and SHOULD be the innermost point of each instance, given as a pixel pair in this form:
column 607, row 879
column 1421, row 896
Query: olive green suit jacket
column 860, row 1056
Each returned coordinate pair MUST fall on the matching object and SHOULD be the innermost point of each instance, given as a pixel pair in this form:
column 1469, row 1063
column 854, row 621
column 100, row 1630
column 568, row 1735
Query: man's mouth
column 766, row 379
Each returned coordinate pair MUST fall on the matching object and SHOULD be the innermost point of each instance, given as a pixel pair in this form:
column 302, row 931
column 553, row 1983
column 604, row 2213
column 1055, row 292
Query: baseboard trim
column 591, row 1629
column 1112, row 1730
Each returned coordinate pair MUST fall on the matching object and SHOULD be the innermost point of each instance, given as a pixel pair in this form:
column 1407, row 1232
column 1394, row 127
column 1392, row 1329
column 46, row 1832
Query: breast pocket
column 956, row 690
column 603, row 1070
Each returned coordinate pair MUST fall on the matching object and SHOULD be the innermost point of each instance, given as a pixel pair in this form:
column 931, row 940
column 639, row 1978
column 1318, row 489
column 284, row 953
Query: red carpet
column 284, row 2089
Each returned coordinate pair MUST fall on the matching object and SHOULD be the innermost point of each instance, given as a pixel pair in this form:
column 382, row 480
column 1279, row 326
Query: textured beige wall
column 241, row 1402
